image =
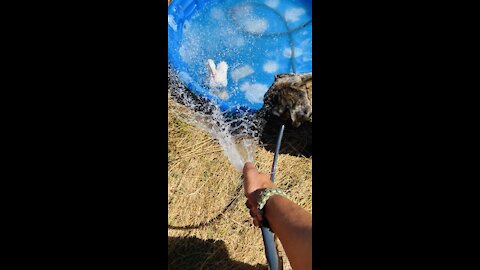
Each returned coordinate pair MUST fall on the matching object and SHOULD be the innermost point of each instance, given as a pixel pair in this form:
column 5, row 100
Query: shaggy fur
column 290, row 97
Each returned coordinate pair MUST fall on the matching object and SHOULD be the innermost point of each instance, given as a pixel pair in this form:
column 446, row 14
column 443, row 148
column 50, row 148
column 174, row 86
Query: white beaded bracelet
column 263, row 198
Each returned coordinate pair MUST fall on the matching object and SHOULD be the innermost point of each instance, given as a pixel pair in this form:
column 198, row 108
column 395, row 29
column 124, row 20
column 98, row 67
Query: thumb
column 249, row 171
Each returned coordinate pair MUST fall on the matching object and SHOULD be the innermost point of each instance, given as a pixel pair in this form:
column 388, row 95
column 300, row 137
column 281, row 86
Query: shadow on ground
column 194, row 253
column 295, row 142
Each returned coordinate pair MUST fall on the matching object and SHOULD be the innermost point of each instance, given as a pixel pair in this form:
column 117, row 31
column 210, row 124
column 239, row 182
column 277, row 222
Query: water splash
column 238, row 136
column 245, row 34
column 256, row 39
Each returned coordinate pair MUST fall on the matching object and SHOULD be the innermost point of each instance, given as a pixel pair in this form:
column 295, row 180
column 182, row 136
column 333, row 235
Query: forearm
column 293, row 226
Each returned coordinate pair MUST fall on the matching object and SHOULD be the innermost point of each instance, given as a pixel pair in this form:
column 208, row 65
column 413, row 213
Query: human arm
column 290, row 222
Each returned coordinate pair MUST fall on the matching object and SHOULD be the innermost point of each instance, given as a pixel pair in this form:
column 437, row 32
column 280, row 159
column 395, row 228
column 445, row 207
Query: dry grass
column 201, row 182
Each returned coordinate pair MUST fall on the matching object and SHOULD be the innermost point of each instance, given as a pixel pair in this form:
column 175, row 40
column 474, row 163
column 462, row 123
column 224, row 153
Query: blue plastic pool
column 257, row 39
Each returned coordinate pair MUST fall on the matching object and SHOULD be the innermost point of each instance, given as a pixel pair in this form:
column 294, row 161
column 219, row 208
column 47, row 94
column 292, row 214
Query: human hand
column 254, row 183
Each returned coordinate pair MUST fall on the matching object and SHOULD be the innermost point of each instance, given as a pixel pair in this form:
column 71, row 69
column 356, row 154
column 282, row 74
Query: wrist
column 255, row 195
column 263, row 198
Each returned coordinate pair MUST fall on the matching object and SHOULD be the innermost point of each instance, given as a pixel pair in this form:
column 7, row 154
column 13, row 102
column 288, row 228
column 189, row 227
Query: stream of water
column 257, row 39
column 238, row 136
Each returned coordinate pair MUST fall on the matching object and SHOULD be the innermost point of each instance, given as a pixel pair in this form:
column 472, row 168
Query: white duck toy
column 217, row 78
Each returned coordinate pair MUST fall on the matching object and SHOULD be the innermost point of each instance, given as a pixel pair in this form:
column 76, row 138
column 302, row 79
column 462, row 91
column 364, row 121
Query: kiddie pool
column 257, row 39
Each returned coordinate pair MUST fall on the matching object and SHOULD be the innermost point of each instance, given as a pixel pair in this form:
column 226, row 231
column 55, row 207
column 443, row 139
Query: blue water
column 247, row 35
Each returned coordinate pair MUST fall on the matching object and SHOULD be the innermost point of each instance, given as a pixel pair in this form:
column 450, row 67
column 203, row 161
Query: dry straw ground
column 201, row 183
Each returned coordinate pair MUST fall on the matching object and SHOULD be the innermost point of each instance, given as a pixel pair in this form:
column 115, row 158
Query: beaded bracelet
column 263, row 198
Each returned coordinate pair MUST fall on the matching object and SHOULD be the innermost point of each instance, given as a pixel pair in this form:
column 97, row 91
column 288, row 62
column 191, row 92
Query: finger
column 255, row 222
column 248, row 204
column 252, row 213
column 259, row 217
column 249, row 170
column 255, row 214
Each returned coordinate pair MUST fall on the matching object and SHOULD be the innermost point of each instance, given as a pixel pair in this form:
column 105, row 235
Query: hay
column 201, row 182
